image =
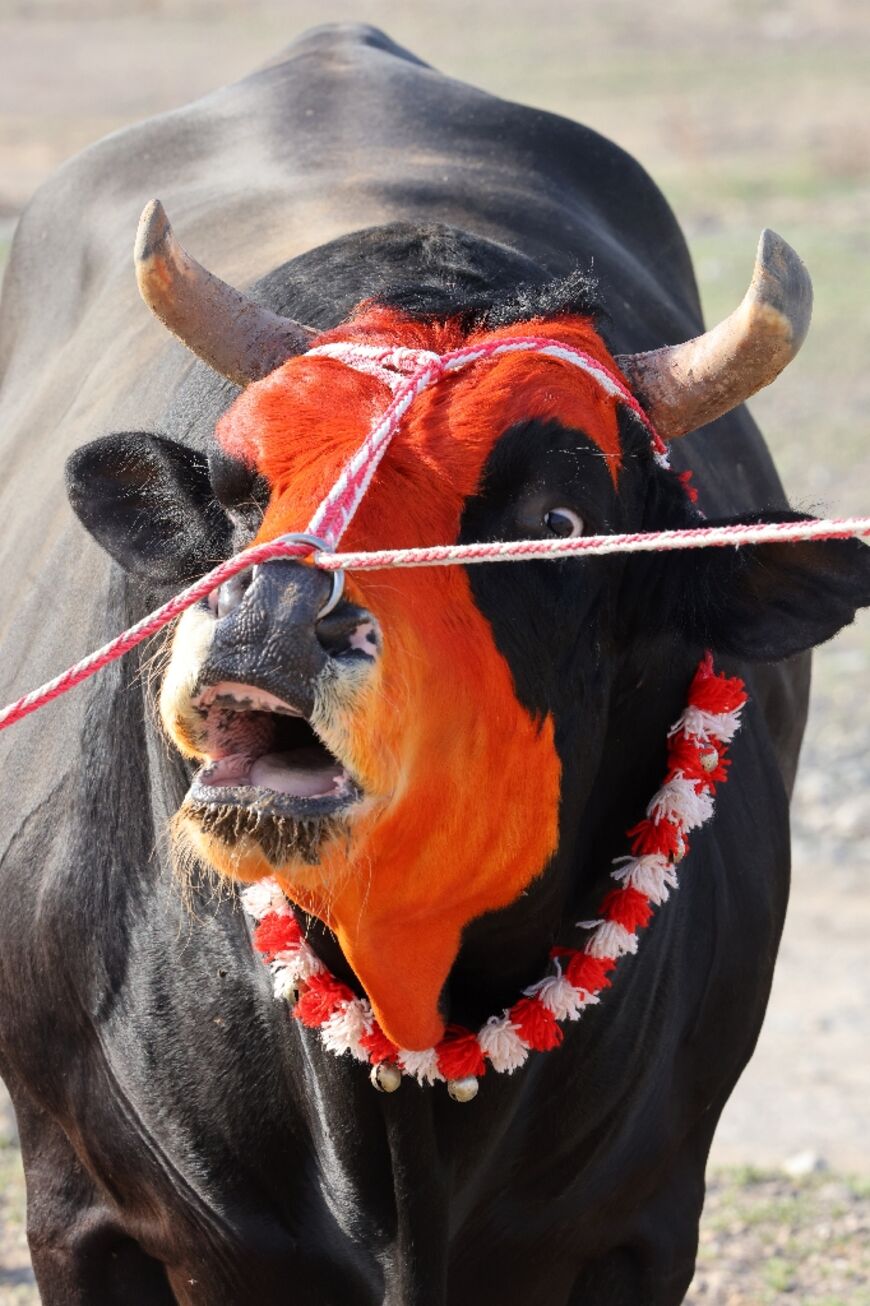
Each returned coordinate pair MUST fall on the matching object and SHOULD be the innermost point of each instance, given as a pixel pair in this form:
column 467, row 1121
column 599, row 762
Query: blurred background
column 749, row 113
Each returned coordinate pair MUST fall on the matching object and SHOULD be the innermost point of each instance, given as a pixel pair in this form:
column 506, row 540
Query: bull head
column 424, row 755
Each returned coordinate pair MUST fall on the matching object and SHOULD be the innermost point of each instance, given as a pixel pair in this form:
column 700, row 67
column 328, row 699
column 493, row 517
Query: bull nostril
column 229, row 595
column 348, row 629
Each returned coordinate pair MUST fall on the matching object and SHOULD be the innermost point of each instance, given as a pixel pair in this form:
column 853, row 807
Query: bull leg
column 80, row 1254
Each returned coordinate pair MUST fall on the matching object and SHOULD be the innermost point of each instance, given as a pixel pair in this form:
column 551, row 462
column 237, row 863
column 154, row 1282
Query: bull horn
column 684, row 386
column 238, row 338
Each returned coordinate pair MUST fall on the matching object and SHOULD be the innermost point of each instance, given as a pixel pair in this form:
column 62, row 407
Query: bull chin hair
column 280, row 839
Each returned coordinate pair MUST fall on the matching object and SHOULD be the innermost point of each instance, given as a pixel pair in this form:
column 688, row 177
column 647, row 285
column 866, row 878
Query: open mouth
column 265, row 756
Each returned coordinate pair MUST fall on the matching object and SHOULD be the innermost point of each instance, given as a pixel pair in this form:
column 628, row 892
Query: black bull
column 183, row 1141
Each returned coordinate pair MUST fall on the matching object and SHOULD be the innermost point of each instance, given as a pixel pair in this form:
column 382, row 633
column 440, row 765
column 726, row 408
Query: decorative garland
column 697, row 764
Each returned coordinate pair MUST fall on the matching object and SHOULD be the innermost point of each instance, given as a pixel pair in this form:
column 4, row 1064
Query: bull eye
column 563, row 522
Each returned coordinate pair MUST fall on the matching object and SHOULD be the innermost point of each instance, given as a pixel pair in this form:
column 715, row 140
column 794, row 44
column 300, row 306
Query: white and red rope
column 697, row 764
column 337, row 509
column 596, row 546
column 590, row 546
column 409, row 373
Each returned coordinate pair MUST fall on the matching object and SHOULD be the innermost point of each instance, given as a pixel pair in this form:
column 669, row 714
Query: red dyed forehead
column 299, row 425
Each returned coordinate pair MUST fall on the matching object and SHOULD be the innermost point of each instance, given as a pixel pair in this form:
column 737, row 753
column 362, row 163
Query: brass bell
column 386, row 1077
column 710, row 760
column 463, row 1090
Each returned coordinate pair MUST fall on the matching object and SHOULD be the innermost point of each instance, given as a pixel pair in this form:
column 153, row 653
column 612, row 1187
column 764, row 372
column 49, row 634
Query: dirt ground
column 749, row 113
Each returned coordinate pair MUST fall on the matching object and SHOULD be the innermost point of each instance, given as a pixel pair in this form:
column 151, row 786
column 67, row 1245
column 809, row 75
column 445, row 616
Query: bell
column 463, row 1090
column 386, row 1077
column 709, row 761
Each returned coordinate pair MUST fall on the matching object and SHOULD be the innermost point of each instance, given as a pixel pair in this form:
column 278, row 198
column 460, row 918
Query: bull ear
column 765, row 602
column 148, row 502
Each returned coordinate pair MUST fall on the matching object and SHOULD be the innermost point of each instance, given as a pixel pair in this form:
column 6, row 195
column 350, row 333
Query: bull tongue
column 301, row 773
column 304, row 773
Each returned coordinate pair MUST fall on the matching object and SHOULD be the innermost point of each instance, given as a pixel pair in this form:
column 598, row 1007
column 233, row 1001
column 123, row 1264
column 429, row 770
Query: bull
column 438, row 769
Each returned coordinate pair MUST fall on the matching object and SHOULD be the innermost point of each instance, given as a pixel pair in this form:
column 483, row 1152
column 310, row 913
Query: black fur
column 476, row 306
column 148, row 501
column 428, row 270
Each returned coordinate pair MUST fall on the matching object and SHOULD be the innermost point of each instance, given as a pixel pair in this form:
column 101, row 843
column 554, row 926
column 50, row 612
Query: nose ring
column 317, row 545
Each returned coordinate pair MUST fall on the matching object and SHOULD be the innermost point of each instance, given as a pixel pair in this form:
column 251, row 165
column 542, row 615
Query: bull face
column 378, row 759
column 402, row 764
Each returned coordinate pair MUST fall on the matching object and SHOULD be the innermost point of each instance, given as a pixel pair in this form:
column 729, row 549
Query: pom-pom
column 652, row 876
column 535, row 1024
column 377, row 1046
column 680, row 802
column 276, row 933
column 263, row 897
column 502, row 1044
column 663, row 838
column 610, row 940
column 344, row 1030
column 714, row 693
column 559, row 996
column 460, row 1055
column 628, row 907
column 708, row 725
column 589, row 973
column 422, row 1066
column 323, row 995
column 302, row 962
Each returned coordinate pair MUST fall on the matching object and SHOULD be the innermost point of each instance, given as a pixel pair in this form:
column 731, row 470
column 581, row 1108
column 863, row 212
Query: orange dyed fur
column 464, row 784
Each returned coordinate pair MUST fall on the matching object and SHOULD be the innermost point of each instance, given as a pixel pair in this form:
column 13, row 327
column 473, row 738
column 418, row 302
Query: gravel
column 766, row 1237
column 16, row 1277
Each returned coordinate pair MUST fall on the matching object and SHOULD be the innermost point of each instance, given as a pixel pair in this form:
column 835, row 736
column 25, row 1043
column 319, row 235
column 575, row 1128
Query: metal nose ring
column 319, row 546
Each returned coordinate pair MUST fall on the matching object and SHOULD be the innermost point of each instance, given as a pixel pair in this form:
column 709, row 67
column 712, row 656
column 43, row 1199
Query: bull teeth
column 245, row 698
column 252, row 705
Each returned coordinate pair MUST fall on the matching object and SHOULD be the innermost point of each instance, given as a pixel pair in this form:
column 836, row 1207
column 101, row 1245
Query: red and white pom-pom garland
column 697, row 764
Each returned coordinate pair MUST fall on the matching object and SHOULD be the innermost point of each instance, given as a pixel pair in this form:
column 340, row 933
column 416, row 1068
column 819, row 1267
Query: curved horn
column 684, row 386
column 238, row 338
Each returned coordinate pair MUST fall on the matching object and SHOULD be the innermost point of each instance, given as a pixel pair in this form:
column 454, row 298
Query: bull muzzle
column 275, row 629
